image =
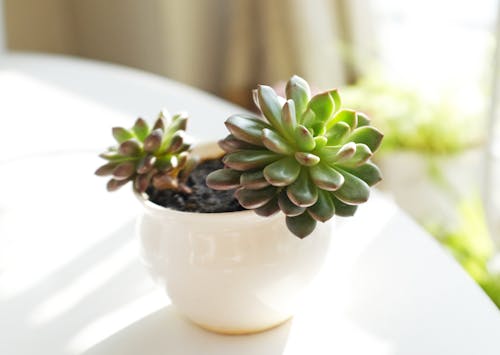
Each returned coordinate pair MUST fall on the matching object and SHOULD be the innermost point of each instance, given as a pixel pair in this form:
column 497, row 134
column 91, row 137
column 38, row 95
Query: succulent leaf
column 179, row 122
column 224, row 179
column 320, row 142
column 343, row 209
column 363, row 120
column 130, row 148
column 289, row 118
column 252, row 199
column 140, row 129
column 307, row 159
column 323, row 106
column 165, row 182
column 326, row 177
column 368, row 135
column 308, row 118
column 323, row 209
column 346, row 152
column 253, row 180
column 304, row 140
column 282, row 172
column 368, row 172
column 247, row 128
column 353, row 191
column 297, row 89
column 176, row 142
column 302, row 191
column 328, row 154
column 336, row 99
column 361, row 155
column 106, row 169
column 166, row 163
column 301, row 225
column 152, row 142
column 287, row 206
column 115, row 184
column 121, row 134
column 249, row 159
column 142, row 182
column 347, row 116
column 124, row 170
column 182, row 160
column 270, row 106
column 269, row 208
column 146, row 164
column 255, row 98
column 160, row 123
column 337, row 133
column 232, row 144
column 191, row 164
column 275, row 142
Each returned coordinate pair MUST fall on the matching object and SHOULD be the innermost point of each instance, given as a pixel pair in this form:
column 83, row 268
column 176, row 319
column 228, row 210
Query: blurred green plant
column 472, row 247
column 411, row 121
column 434, row 127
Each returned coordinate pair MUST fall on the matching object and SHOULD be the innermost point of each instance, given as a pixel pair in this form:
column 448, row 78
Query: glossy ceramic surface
column 231, row 272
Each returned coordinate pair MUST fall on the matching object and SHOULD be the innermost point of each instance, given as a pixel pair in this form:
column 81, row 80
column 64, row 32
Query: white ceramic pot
column 232, row 272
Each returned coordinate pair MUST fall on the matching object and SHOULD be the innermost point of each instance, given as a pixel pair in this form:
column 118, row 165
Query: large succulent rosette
column 306, row 157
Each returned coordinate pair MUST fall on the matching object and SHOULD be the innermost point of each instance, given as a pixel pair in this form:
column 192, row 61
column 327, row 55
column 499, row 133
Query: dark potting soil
column 202, row 199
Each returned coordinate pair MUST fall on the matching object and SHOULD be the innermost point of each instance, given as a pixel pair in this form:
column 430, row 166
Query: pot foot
column 242, row 331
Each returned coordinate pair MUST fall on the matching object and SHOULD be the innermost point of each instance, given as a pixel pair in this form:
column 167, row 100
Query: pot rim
column 206, row 149
column 154, row 207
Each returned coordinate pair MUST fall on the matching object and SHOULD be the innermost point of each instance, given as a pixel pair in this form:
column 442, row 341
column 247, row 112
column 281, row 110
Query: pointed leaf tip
column 304, row 139
column 121, row 134
column 368, row 135
column 303, row 192
column 246, row 128
column 323, row 106
column 270, row 105
column 307, row 159
column 302, row 225
column 140, row 129
column 298, row 90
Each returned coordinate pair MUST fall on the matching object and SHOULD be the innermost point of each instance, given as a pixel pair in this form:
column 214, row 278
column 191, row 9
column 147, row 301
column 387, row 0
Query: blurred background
column 426, row 71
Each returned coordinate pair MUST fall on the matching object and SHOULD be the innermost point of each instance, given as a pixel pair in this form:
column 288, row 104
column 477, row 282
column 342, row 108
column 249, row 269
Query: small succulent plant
column 306, row 157
column 157, row 156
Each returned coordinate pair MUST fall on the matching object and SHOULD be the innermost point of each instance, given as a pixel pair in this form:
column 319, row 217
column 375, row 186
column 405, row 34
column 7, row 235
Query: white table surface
column 70, row 278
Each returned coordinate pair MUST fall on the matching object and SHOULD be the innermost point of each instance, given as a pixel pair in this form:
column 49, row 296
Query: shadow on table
column 168, row 332
column 408, row 293
column 21, row 312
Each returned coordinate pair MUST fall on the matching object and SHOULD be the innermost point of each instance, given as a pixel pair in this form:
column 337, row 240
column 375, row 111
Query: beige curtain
column 2, row 29
column 222, row 46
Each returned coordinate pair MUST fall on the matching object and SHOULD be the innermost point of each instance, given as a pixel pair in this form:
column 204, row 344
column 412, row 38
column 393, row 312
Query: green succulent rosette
column 158, row 155
column 306, row 156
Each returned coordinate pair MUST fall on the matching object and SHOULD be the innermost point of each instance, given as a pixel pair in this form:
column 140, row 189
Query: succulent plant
column 157, row 156
column 306, row 157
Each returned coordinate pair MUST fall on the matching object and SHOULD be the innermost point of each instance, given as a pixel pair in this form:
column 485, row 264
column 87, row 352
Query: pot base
column 247, row 331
